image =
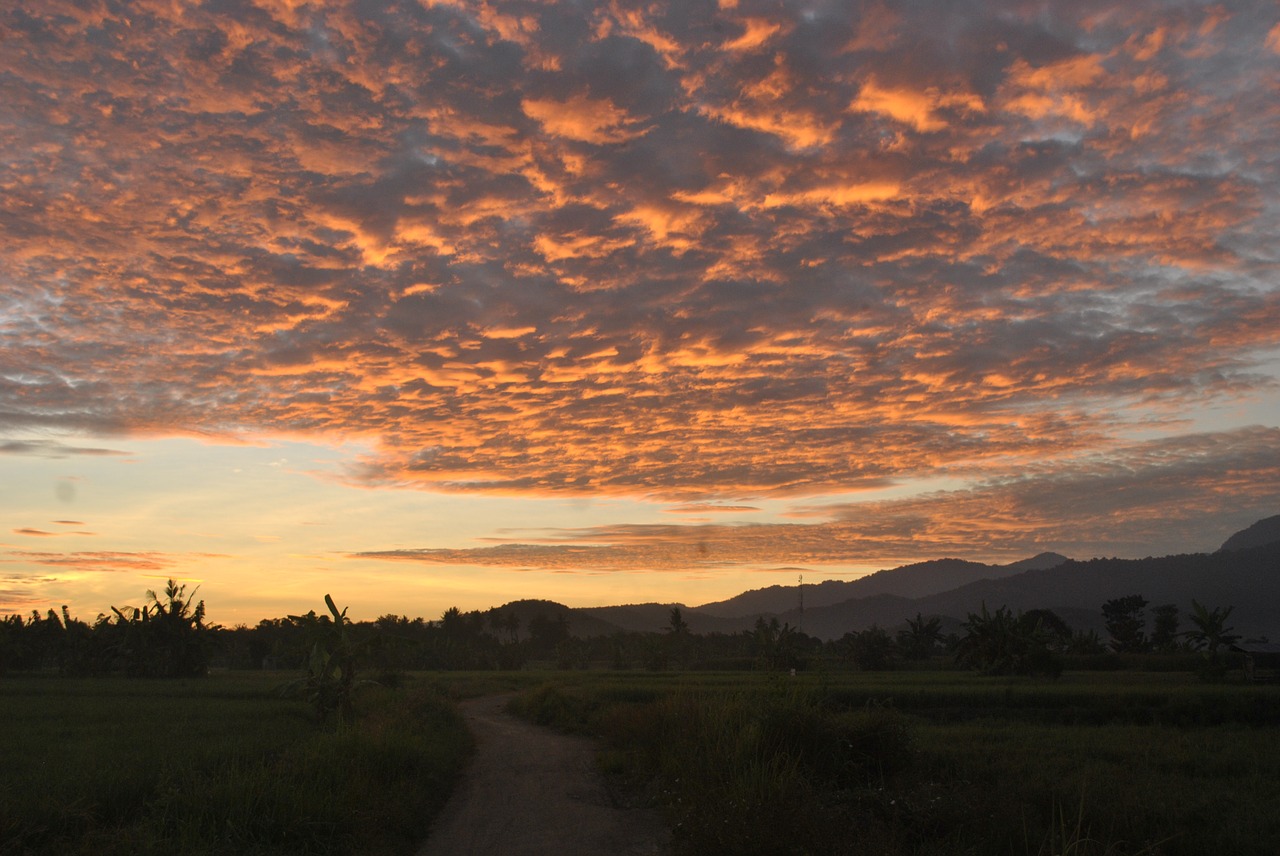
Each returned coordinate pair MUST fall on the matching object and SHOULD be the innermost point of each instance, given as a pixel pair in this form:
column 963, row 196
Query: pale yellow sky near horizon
column 267, row 530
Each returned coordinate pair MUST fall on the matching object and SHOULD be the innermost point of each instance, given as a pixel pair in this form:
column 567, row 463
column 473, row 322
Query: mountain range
column 1244, row 574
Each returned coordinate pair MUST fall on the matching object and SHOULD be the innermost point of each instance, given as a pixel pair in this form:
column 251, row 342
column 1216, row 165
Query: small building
column 1261, row 660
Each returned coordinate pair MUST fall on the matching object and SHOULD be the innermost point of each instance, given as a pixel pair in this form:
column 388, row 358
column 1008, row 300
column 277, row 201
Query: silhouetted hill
column 1248, row 580
column 581, row 623
column 656, row 617
column 908, row 581
column 1244, row 574
column 1265, row 531
column 1038, row 562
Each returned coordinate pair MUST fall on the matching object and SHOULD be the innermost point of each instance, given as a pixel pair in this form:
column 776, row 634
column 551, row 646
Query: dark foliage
column 165, row 638
column 1126, row 623
column 871, row 650
column 1004, row 643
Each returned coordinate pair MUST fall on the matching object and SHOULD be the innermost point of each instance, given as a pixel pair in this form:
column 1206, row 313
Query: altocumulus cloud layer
column 687, row 251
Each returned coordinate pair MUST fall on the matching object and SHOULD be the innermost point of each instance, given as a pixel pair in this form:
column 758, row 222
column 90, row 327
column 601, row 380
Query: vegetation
column 921, row 638
column 873, row 649
column 768, row 740
column 165, row 638
column 1002, row 643
column 1211, row 635
column 330, row 681
column 1125, row 623
column 222, row 765
column 170, row 638
column 936, row 763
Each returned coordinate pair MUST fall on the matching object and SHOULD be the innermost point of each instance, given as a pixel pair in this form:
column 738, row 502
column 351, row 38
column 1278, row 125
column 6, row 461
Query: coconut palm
column 921, row 637
column 1210, row 635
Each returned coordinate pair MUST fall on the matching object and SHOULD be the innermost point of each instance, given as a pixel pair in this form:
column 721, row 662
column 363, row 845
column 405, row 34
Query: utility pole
column 800, row 620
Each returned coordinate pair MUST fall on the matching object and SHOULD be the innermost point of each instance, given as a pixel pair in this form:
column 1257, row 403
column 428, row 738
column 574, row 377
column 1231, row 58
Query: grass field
column 219, row 765
column 844, row 763
column 941, row 763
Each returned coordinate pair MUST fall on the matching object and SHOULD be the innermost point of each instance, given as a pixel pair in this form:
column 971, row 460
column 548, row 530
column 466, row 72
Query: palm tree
column 1210, row 634
column 921, row 637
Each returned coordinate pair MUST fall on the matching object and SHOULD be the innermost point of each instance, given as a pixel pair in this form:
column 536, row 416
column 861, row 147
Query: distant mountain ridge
column 910, row 581
column 1247, row 580
column 1265, row 531
column 1243, row 574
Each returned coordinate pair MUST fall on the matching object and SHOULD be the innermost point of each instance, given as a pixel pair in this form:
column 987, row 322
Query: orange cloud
column 668, row 252
column 756, row 32
column 921, row 109
column 583, row 119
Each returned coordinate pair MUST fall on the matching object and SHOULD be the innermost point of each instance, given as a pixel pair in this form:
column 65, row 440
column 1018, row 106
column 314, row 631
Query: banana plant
column 330, row 682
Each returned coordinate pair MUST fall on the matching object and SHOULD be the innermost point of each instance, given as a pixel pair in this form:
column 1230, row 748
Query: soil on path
column 531, row 791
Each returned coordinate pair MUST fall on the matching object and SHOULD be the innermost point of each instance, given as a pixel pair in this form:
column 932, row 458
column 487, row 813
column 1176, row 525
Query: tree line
column 168, row 637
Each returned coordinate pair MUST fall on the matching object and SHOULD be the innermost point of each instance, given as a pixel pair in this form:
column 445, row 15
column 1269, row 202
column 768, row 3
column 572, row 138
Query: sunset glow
column 453, row 303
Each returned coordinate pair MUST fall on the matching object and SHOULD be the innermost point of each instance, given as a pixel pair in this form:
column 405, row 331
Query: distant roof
column 1257, row 647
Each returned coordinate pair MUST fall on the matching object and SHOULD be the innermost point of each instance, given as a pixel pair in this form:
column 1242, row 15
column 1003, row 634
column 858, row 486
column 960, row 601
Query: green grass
column 220, row 765
column 866, row 763
column 941, row 763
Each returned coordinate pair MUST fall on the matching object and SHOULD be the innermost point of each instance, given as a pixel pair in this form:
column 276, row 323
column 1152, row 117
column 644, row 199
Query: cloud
column 922, row 110
column 709, row 508
column 583, row 119
column 22, row 591
column 45, row 534
column 52, row 449
column 1185, row 494
column 92, row 561
column 680, row 252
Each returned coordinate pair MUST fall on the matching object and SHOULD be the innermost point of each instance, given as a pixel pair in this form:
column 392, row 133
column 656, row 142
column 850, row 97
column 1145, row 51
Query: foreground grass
column 218, row 766
column 947, row 763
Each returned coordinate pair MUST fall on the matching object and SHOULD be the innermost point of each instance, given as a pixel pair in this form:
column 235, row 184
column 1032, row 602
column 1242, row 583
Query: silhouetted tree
column 677, row 625
column 1002, row 643
column 920, row 638
column 452, row 623
column 545, row 633
column 872, row 650
column 166, row 638
column 1051, row 624
column 777, row 646
column 1164, row 631
column 1125, row 622
column 1211, row 635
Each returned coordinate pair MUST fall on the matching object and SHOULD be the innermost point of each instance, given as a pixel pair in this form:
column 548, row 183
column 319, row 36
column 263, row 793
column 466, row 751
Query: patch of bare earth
column 530, row 790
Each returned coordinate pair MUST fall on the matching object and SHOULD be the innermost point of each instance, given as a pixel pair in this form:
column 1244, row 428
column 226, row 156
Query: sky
column 430, row 304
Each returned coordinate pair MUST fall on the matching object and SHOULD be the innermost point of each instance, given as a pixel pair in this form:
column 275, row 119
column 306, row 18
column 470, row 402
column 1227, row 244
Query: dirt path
column 530, row 790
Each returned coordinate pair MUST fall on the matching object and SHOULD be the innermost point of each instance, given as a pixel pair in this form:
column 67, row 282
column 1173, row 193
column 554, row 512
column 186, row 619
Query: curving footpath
column 530, row 791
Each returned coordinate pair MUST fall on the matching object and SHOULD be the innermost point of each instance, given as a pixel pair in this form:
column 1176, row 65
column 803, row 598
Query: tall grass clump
column 753, row 771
